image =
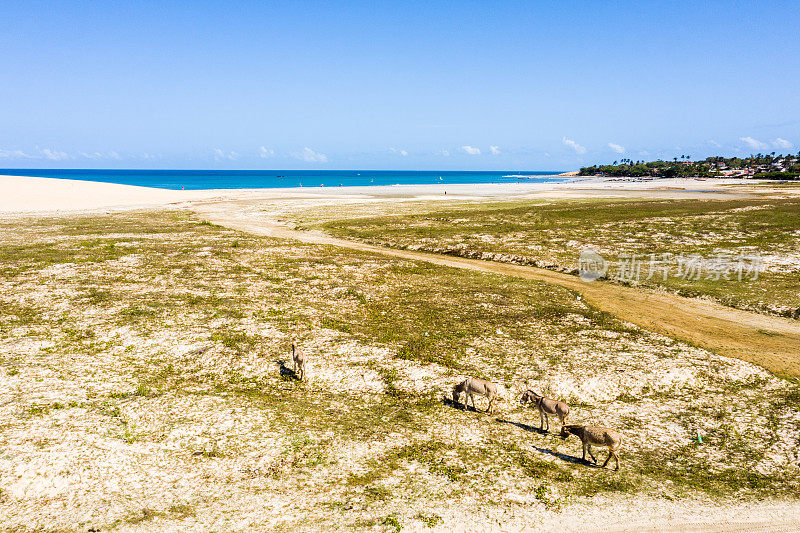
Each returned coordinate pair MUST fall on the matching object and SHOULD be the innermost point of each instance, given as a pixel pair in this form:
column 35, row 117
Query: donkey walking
column 298, row 361
column 598, row 436
column 546, row 406
column 473, row 386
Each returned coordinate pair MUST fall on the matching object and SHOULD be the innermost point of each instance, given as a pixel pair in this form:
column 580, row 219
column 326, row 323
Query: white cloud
column 219, row 155
column 755, row 144
column 55, row 155
column 99, row 155
column 617, row 148
column 444, row 153
column 265, row 152
column 494, row 149
column 14, row 154
column 575, row 146
column 52, row 155
column 782, row 143
column 715, row 143
column 396, row 151
column 310, row 156
column 471, row 150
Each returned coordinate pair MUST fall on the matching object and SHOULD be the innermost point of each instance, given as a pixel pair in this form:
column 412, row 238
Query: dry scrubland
column 551, row 234
column 140, row 388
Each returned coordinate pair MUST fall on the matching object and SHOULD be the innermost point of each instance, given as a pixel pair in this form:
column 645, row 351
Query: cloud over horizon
column 755, row 144
column 14, row 154
column 93, row 155
column 34, row 156
column 575, row 146
column 220, row 155
column 310, row 156
column 44, row 153
column 617, row 148
column 54, row 155
column 399, row 152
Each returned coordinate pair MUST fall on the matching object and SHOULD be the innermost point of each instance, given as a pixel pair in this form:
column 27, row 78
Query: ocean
column 252, row 179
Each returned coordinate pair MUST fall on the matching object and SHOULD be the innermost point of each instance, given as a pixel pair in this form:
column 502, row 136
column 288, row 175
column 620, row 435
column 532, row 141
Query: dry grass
column 552, row 234
column 141, row 388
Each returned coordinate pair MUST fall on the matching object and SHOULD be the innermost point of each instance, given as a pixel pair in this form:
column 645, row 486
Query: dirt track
column 769, row 341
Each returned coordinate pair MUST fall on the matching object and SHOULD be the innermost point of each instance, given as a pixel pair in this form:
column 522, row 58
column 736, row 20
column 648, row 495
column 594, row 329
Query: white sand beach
column 33, row 195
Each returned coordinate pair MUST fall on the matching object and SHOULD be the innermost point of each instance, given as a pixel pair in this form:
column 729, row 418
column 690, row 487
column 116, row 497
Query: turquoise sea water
column 247, row 179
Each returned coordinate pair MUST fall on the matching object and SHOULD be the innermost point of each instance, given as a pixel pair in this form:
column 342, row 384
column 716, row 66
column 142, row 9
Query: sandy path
column 769, row 341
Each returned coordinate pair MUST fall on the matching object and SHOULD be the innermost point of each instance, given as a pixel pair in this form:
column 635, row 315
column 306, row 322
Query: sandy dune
column 22, row 194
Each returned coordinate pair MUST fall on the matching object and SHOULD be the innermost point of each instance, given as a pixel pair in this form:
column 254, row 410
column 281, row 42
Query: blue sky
column 394, row 85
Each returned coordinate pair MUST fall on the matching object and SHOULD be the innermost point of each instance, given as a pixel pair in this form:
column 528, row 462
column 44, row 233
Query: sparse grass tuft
column 239, row 341
column 392, row 523
column 430, row 520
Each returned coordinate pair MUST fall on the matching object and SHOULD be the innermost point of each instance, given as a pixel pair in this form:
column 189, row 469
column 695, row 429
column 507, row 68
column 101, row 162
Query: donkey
column 546, row 406
column 472, row 386
column 598, row 436
column 298, row 361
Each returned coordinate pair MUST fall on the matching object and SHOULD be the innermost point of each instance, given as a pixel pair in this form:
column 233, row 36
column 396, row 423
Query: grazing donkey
column 472, row 386
column 546, row 406
column 298, row 361
column 599, row 437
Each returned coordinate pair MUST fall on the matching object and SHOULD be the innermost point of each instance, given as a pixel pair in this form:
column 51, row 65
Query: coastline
column 32, row 195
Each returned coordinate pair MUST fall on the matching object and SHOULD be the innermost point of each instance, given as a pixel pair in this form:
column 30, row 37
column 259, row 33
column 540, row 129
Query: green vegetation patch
column 553, row 235
column 176, row 338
